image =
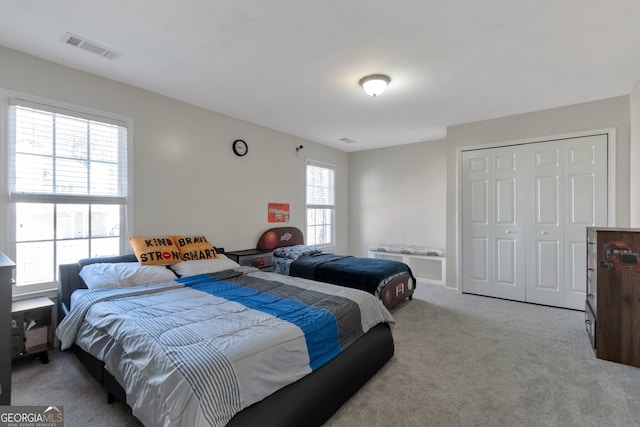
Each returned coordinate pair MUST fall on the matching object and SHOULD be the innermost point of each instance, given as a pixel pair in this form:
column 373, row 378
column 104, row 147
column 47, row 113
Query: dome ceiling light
column 375, row 84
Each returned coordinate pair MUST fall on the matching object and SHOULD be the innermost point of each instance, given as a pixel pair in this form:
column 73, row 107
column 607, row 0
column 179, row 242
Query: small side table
column 32, row 324
column 253, row 258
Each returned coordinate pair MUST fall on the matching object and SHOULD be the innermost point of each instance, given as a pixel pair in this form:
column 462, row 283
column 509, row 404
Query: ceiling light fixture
column 375, row 84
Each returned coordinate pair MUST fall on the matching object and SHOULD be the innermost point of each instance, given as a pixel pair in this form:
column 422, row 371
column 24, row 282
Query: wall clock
column 240, row 148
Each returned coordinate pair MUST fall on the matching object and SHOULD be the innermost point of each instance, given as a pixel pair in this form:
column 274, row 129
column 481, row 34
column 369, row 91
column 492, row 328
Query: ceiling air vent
column 89, row 46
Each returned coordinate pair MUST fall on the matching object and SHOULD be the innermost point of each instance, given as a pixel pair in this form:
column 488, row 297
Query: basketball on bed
column 270, row 240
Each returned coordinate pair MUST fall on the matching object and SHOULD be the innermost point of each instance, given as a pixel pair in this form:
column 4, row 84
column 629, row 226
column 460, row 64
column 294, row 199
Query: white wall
column 186, row 177
column 398, row 196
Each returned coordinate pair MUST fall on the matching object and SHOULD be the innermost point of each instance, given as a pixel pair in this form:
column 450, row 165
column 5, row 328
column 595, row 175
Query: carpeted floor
column 461, row 360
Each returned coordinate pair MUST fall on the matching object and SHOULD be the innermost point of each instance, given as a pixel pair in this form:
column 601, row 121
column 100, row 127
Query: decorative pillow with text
column 194, row 248
column 156, row 250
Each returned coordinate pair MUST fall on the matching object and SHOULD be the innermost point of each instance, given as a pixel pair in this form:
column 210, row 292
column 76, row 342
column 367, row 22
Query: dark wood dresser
column 612, row 310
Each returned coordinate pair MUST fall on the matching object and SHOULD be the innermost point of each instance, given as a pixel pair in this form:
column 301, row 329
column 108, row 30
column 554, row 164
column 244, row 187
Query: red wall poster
column 278, row 212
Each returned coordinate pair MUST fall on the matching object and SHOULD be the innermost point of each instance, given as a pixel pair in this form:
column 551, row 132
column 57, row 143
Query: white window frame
column 8, row 227
column 308, row 206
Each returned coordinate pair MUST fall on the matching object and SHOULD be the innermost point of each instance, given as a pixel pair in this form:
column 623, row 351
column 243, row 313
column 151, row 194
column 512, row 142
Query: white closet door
column 585, row 172
column 476, row 230
column 508, row 223
column 493, row 231
column 545, row 225
column 524, row 213
column 569, row 180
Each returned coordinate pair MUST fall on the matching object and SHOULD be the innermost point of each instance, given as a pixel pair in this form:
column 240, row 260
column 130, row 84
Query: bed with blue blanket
column 391, row 281
column 211, row 343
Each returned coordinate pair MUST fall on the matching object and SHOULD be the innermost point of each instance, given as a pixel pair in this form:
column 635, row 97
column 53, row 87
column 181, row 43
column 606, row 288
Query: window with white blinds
column 67, row 174
column 320, row 204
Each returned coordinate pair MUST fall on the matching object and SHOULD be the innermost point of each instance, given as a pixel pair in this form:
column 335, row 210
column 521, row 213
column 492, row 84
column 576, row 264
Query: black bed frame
column 311, row 401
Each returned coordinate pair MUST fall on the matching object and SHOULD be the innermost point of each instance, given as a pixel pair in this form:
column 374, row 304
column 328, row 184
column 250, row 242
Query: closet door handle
column 511, row 232
column 544, row 233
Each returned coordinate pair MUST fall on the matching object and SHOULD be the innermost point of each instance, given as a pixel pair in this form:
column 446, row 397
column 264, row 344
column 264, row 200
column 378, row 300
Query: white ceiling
column 294, row 65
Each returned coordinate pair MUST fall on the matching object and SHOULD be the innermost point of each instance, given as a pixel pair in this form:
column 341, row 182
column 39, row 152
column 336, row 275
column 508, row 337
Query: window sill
column 19, row 294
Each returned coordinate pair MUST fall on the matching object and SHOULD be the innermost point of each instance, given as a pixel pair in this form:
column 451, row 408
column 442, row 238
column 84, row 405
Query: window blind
column 320, row 185
column 57, row 154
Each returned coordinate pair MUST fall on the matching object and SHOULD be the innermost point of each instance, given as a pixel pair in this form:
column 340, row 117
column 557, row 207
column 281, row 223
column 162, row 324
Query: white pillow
column 191, row 268
column 123, row 274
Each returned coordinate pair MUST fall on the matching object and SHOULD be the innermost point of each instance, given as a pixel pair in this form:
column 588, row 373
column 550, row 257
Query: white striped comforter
column 196, row 355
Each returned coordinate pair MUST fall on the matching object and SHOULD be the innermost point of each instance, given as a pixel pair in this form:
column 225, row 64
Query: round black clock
column 240, row 148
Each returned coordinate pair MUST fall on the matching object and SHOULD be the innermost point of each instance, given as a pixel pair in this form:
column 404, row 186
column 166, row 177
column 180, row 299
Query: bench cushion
column 409, row 250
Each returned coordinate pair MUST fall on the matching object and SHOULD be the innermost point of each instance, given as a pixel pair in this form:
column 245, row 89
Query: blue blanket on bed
column 360, row 273
column 320, row 326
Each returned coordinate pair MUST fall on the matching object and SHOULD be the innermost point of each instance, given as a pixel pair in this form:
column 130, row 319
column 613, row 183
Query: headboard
column 70, row 279
column 280, row 237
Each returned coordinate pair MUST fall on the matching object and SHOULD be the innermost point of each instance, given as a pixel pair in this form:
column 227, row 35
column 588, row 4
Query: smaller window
column 320, row 204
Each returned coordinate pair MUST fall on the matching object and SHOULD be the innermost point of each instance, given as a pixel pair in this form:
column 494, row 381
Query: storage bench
column 429, row 265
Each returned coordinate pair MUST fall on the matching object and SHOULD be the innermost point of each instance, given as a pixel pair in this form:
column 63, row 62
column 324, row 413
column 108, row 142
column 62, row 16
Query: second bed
column 391, row 281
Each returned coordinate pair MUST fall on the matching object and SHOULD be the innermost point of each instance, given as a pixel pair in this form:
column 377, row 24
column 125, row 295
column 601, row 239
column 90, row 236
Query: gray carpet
column 461, row 360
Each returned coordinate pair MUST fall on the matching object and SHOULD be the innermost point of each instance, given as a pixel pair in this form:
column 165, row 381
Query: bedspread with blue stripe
column 322, row 318
column 200, row 349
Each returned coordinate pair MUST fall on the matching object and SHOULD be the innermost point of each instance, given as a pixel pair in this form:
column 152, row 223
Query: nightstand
column 32, row 325
column 253, row 258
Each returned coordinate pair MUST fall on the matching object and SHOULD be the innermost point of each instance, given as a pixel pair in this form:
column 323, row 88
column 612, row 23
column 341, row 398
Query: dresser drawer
column 252, row 258
column 590, row 324
column 258, row 260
